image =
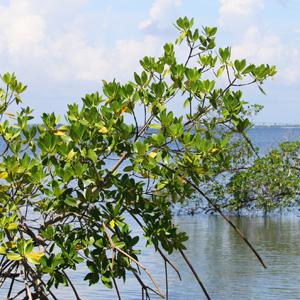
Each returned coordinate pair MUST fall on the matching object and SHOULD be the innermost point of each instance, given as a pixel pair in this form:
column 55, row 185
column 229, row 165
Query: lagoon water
column 226, row 265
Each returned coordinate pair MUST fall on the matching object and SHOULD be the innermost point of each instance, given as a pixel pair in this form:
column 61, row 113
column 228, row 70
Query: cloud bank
column 256, row 41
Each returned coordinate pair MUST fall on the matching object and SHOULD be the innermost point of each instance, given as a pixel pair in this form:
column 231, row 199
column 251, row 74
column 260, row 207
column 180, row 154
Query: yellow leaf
column 12, row 226
column 112, row 224
column 79, row 247
column 188, row 159
column 103, row 130
column 59, row 133
column 3, row 175
column 214, row 150
column 166, row 72
column 123, row 109
column 71, row 154
column 153, row 154
column 34, row 257
column 63, row 128
column 181, row 179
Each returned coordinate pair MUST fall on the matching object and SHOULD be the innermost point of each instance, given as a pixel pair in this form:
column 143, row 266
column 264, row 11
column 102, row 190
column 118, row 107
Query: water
column 225, row 264
column 267, row 138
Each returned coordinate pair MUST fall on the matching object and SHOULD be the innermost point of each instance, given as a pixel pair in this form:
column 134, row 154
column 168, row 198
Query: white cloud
column 231, row 12
column 22, row 31
column 266, row 47
column 256, row 41
column 291, row 70
column 128, row 52
column 259, row 47
column 28, row 42
column 160, row 13
column 75, row 58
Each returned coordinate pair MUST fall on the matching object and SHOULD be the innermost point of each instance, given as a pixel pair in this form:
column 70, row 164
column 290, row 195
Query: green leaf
column 93, row 278
column 71, row 201
column 225, row 54
column 92, row 267
column 220, row 71
column 155, row 126
column 137, row 79
column 92, row 155
column 6, row 78
column 13, row 256
column 106, row 281
column 210, row 31
column 3, row 250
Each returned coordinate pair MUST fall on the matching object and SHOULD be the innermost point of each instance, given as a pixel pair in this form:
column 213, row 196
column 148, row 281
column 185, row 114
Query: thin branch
column 11, row 287
column 167, row 284
column 169, row 262
column 72, row 286
column 19, row 293
column 158, row 249
column 218, row 209
column 113, row 246
column 116, row 287
column 250, row 144
column 28, row 292
column 195, row 274
column 145, row 287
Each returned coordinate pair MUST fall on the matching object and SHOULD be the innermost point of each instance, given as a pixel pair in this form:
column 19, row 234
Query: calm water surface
column 227, row 267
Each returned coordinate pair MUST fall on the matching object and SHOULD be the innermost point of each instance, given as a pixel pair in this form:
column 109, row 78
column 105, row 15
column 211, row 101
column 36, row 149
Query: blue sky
column 62, row 49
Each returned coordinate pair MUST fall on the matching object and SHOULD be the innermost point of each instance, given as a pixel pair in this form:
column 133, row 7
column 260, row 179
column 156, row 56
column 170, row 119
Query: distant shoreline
column 277, row 125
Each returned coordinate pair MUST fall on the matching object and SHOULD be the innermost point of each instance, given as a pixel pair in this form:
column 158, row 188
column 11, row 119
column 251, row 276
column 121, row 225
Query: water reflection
column 229, row 268
column 226, row 265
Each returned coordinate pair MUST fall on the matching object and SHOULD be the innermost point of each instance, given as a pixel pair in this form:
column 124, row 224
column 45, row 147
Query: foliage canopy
column 267, row 183
column 68, row 190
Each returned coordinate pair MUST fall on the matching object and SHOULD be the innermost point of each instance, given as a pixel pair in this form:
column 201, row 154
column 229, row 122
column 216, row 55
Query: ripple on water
column 226, row 265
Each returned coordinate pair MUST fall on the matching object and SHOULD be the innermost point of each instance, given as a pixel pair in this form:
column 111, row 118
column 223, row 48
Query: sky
column 62, row 49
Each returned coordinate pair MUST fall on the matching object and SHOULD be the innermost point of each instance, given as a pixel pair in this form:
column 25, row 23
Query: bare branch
column 113, row 246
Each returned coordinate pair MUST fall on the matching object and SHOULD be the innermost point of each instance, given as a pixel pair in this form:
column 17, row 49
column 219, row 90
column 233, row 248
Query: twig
column 116, row 287
column 195, row 274
column 145, row 287
column 72, row 286
column 160, row 293
column 158, row 249
column 28, row 292
column 9, row 273
column 169, row 262
column 143, row 294
column 167, row 284
column 10, row 287
column 19, row 293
